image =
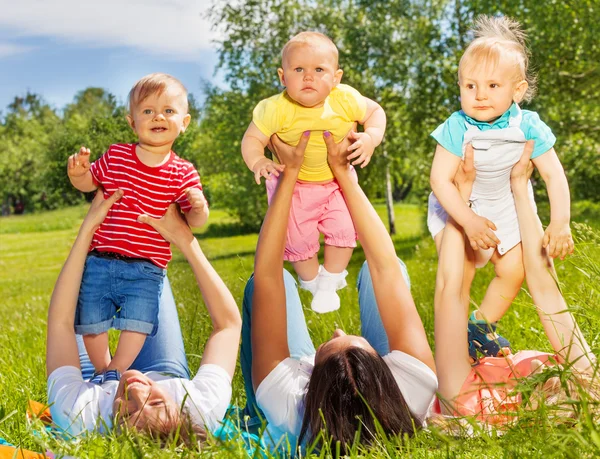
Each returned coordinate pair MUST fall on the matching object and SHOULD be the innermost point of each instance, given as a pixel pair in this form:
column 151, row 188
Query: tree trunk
column 389, row 199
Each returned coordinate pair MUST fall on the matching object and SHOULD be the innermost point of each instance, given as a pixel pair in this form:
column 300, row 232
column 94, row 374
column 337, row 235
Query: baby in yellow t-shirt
column 314, row 100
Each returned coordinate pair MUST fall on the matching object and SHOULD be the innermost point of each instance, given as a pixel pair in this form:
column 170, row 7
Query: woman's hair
column 496, row 37
column 177, row 427
column 565, row 392
column 352, row 391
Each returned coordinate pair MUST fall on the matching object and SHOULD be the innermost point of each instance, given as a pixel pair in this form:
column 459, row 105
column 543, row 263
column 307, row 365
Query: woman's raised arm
column 61, row 346
column 402, row 323
column 560, row 325
column 269, row 326
column 222, row 345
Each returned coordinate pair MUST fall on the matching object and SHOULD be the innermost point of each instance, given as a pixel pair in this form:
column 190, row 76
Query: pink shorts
column 316, row 209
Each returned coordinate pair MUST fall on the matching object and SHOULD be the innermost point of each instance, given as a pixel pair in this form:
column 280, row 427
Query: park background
column 403, row 54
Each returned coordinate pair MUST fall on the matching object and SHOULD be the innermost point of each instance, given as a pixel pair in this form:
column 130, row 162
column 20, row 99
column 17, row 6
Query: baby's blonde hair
column 496, row 37
column 155, row 83
column 311, row 38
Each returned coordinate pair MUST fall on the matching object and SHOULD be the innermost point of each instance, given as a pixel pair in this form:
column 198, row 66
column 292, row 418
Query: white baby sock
column 326, row 299
column 310, row 285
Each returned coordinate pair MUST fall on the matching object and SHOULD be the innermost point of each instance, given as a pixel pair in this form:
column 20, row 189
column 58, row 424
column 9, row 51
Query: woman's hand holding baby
column 98, row 211
column 290, row 157
column 171, row 226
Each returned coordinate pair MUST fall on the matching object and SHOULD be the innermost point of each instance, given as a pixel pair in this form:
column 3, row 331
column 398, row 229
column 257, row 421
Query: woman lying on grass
column 156, row 395
column 486, row 389
column 331, row 397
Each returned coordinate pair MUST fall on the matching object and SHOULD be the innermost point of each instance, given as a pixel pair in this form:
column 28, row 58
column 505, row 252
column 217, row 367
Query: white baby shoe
column 326, row 299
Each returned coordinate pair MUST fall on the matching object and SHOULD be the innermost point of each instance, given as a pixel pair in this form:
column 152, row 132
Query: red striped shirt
column 147, row 190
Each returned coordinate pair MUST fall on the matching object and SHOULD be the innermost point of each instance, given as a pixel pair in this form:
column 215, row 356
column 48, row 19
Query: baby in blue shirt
column 494, row 77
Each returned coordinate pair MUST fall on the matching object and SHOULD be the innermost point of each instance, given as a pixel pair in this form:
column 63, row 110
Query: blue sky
column 58, row 47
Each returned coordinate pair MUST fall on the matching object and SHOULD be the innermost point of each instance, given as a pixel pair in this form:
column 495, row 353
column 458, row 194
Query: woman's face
column 141, row 403
column 339, row 341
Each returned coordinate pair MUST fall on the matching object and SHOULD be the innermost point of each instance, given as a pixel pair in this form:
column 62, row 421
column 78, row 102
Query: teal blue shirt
column 450, row 133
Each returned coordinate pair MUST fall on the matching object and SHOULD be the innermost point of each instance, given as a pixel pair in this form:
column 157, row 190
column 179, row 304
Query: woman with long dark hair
column 340, row 391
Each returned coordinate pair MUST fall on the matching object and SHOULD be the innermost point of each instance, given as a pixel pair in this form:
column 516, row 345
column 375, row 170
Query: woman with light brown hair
column 156, row 395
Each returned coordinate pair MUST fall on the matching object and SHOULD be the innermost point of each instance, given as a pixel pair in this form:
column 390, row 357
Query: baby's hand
column 264, row 167
column 362, row 148
column 196, row 199
column 557, row 240
column 79, row 163
column 480, row 234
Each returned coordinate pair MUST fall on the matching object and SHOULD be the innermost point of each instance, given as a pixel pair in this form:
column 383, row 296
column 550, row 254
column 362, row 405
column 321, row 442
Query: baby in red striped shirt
column 125, row 268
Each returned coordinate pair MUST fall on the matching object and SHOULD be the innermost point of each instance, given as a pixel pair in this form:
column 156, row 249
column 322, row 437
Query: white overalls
column 496, row 151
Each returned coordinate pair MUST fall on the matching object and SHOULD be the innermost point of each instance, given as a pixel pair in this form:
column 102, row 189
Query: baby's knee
column 511, row 272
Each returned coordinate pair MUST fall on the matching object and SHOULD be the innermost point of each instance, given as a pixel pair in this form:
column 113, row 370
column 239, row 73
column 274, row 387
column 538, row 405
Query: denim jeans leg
column 299, row 341
column 164, row 352
column 371, row 325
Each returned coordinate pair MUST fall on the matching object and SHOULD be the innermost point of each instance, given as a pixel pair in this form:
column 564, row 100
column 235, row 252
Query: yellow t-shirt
column 288, row 119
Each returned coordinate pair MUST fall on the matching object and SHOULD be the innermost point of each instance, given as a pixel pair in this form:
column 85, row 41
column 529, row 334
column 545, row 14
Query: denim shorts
column 120, row 294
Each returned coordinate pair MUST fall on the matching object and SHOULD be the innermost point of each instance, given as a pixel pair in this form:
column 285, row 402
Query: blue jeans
column 299, row 341
column 118, row 294
column 163, row 352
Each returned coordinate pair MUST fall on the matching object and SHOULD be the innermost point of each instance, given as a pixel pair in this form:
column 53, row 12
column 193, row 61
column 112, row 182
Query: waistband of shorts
column 116, row 256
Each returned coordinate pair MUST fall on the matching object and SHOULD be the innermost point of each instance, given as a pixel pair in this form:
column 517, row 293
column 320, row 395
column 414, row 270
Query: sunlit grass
column 33, row 248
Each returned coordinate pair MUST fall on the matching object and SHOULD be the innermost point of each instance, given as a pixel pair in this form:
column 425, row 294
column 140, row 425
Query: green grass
column 33, row 248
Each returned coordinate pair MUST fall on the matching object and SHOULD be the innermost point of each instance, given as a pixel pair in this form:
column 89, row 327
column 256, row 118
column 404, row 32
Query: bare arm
column 198, row 214
column 222, row 345
column 374, row 121
column 364, row 143
column 254, row 143
column 61, row 346
column 478, row 229
column 560, row 326
column 269, row 320
column 557, row 237
column 399, row 315
column 451, row 343
column 78, row 170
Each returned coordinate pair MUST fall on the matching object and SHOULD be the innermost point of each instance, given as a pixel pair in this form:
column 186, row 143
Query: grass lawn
column 33, row 248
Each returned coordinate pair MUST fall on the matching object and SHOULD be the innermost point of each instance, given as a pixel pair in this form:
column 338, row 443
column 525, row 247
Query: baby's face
column 160, row 118
column 309, row 72
column 487, row 90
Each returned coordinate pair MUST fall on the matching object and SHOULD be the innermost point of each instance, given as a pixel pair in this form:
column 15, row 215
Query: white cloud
column 176, row 28
column 10, row 49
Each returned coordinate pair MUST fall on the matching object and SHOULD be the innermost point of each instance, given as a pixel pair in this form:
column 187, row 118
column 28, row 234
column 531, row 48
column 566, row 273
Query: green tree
column 25, row 133
column 383, row 46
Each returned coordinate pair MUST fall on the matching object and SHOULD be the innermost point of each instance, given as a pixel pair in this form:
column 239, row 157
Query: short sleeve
column 451, row 133
column 352, row 101
column 417, row 382
column 99, row 168
column 267, row 115
column 78, row 406
column 214, row 385
column 190, row 179
column 535, row 129
column 280, row 394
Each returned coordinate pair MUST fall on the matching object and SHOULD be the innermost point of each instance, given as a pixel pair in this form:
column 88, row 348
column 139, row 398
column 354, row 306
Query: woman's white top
column 78, row 406
column 280, row 395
